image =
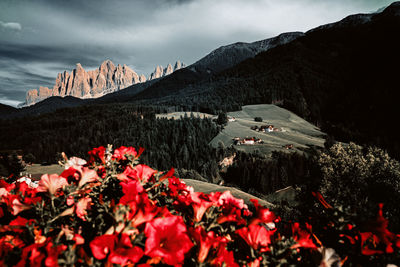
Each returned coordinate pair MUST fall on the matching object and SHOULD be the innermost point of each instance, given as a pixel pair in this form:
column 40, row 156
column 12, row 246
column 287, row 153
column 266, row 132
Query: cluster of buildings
column 247, row 141
column 265, row 128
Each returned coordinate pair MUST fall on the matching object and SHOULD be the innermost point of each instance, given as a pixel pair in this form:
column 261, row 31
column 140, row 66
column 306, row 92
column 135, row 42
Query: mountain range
column 340, row 76
column 108, row 78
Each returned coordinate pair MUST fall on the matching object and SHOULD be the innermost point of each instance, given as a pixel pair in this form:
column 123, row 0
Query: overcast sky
column 40, row 38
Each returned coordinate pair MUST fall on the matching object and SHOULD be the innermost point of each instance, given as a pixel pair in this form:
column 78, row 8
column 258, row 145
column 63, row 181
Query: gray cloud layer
column 39, row 38
column 10, row 26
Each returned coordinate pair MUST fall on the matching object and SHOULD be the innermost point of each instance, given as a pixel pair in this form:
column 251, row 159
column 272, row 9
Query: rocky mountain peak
column 168, row 70
column 107, row 78
column 178, row 65
column 160, row 72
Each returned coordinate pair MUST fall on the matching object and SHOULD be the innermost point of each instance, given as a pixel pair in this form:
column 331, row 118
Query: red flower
column 52, row 254
column 167, row 239
column 123, row 151
column 256, row 236
column 32, row 255
column 5, row 188
column 127, row 175
column 132, row 191
column 227, row 200
column 200, row 203
column 144, row 172
column 204, row 240
column 102, row 245
column 302, row 237
column 177, row 187
column 263, row 215
column 8, row 243
column 120, row 251
column 232, row 209
column 125, row 253
column 20, row 221
column 71, row 174
column 51, row 183
column 97, row 154
column 83, row 174
column 224, row 256
column 141, row 209
column 368, row 244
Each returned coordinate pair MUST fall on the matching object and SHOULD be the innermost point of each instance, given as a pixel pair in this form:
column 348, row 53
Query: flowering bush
column 113, row 210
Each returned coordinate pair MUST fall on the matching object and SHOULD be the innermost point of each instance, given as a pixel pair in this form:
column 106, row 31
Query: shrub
column 258, row 119
column 29, row 158
column 222, row 118
column 358, row 178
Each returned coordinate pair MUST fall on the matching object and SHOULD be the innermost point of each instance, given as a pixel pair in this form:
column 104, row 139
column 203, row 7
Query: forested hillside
column 179, row 143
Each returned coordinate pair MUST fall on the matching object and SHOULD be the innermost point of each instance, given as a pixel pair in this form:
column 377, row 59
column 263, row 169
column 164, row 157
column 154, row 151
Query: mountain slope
column 204, row 69
column 6, row 109
column 341, row 77
column 230, row 55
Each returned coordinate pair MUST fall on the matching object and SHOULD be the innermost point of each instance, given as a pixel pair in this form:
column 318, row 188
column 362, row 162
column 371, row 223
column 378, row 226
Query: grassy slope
column 293, row 129
column 37, row 170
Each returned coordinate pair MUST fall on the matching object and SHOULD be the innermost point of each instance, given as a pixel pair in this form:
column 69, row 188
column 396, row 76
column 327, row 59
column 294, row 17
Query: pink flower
column 51, row 183
column 3, row 193
column 87, row 176
column 141, row 172
column 226, row 199
column 82, row 206
column 232, row 209
column 70, row 201
column 17, row 207
column 75, row 163
column 144, row 172
column 167, row 239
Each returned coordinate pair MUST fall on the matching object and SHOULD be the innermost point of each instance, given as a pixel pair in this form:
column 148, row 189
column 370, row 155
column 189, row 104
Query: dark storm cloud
column 40, row 38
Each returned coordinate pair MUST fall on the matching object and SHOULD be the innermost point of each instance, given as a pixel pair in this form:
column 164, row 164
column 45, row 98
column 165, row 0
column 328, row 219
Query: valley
column 301, row 122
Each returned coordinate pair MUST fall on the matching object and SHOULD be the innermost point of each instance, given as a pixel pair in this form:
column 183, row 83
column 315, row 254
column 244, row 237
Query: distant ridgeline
column 340, row 76
column 106, row 79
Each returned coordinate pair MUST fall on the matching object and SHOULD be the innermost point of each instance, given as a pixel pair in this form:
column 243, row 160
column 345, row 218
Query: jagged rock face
column 106, row 79
column 160, row 72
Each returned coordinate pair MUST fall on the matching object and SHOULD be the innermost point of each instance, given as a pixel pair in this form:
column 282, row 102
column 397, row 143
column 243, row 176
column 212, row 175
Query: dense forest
column 181, row 143
column 257, row 173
